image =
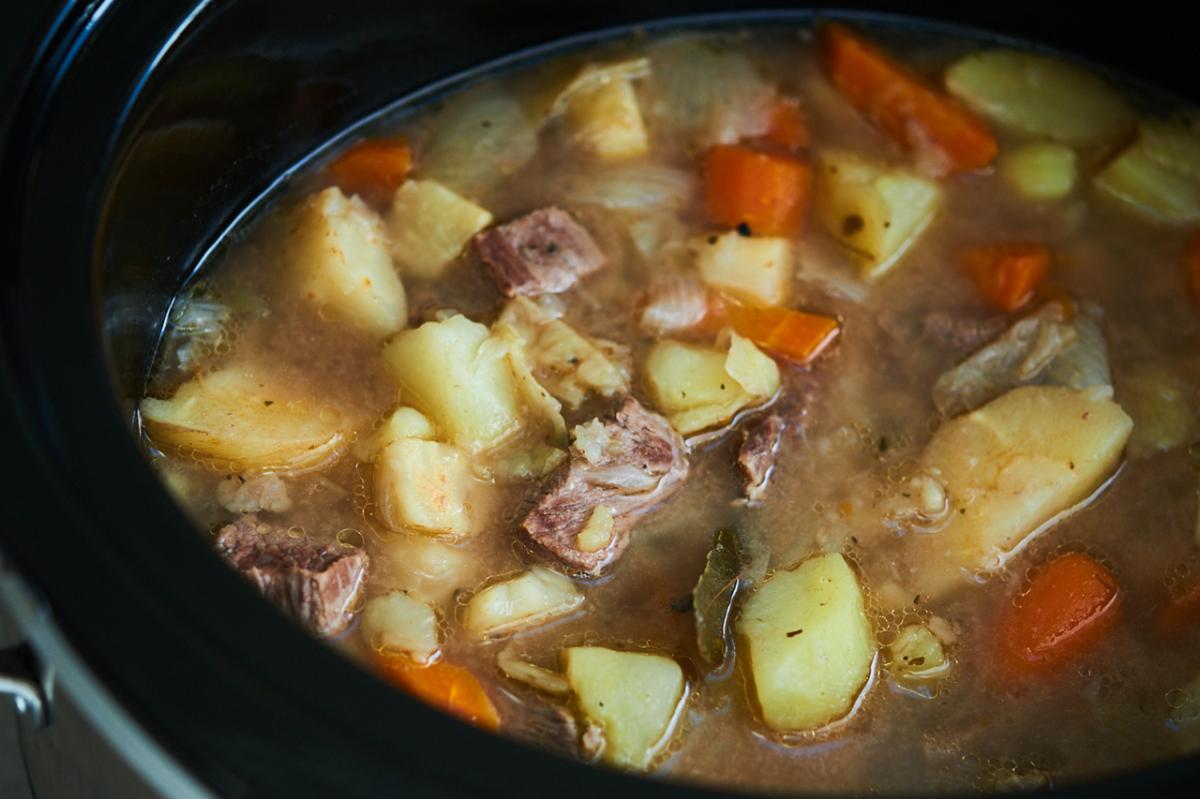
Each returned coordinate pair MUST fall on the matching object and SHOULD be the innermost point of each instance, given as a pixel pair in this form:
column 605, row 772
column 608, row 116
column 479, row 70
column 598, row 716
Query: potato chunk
column 401, row 423
column 878, row 212
column 1158, row 175
column 699, row 387
column 571, row 366
column 338, row 253
column 423, row 567
column 426, row 486
column 396, row 622
column 530, row 599
column 810, row 643
column 458, row 375
column 429, row 226
column 1009, row 468
column 634, row 697
column 1042, row 96
column 249, row 417
column 758, row 269
column 1040, row 171
column 607, row 121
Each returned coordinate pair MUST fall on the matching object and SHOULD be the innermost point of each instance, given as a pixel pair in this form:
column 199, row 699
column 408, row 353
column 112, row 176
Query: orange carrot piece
column 450, row 688
column 1008, row 275
column 1180, row 613
column 786, row 333
column 1191, row 263
column 788, row 127
column 373, row 169
column 767, row 192
column 1069, row 606
column 900, row 103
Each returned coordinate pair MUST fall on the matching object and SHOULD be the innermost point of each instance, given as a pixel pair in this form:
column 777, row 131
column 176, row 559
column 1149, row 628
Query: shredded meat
column 543, row 252
column 756, row 456
column 266, row 492
column 316, row 584
column 626, row 462
column 1019, row 357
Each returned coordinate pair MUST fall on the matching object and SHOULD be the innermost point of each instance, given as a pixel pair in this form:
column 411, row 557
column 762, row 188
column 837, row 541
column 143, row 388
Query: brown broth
column 869, row 413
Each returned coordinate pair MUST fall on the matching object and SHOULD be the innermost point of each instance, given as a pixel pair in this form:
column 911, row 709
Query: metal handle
column 21, row 678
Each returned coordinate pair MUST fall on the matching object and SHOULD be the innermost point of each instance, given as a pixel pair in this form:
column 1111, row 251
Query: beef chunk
column 625, row 464
column 756, row 457
column 543, row 252
column 316, row 584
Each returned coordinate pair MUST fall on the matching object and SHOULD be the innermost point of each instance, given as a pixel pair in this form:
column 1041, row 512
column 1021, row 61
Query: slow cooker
column 136, row 134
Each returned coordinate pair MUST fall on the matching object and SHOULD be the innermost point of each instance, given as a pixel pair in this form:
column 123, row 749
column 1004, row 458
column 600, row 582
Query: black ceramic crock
column 137, row 134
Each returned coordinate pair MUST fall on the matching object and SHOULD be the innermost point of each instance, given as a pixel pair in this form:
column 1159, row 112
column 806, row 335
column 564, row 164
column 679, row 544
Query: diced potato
column 1161, row 408
column 422, row 567
column 569, row 365
column 429, row 225
column 528, row 600
column 528, row 462
column 1011, row 467
column 459, row 376
column 699, row 387
column 634, row 698
column 1174, row 144
column 426, row 486
column 598, row 530
column 607, row 121
column 757, row 372
column 1154, row 179
column 811, row 646
column 338, row 253
column 249, row 417
column 396, row 622
column 878, row 212
column 1041, row 171
column 758, row 269
column 917, row 654
column 1041, row 96
column 402, row 423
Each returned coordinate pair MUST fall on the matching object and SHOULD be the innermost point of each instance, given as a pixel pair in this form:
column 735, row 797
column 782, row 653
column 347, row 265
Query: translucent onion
column 594, row 76
column 635, row 186
column 477, row 140
column 1085, row 364
column 708, row 93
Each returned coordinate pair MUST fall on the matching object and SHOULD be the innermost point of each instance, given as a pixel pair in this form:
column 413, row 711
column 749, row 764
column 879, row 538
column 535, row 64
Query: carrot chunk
column 767, row 192
column 1008, row 275
column 788, row 128
column 897, row 101
column 373, row 169
column 450, row 688
column 1067, row 609
column 1191, row 263
column 785, row 333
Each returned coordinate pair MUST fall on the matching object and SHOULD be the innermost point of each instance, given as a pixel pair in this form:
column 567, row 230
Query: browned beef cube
column 756, row 457
column 627, row 462
column 543, row 252
column 318, row 585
